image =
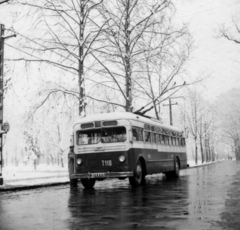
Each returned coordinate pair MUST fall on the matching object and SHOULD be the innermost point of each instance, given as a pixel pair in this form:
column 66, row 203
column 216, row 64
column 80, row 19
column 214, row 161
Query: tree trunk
column 196, row 151
column 127, row 58
column 81, row 79
column 201, row 149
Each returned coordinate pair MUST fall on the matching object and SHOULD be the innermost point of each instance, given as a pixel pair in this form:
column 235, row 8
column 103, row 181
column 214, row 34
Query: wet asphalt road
column 202, row 198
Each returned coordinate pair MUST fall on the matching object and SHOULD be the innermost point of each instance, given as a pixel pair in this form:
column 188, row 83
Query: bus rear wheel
column 138, row 175
column 88, row 183
column 176, row 172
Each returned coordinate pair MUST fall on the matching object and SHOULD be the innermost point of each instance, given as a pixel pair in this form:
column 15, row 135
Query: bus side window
column 183, row 142
column 166, row 140
column 158, row 140
column 137, row 134
column 177, row 142
column 147, row 136
column 162, row 139
column 153, row 137
column 173, row 140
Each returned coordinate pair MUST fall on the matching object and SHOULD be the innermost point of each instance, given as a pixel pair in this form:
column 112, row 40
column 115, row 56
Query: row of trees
column 95, row 56
column 200, row 123
column 229, row 112
column 102, row 55
column 131, row 48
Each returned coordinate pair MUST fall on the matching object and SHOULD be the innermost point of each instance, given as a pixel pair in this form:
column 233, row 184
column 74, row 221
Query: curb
column 197, row 166
column 39, row 178
column 7, row 188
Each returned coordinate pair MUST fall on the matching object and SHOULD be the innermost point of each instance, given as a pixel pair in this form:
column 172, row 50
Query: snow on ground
column 27, row 175
column 193, row 164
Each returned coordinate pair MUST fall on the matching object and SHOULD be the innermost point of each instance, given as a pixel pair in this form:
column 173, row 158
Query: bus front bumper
column 101, row 175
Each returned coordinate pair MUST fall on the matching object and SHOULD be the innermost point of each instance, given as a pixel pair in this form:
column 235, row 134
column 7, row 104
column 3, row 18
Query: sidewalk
column 23, row 178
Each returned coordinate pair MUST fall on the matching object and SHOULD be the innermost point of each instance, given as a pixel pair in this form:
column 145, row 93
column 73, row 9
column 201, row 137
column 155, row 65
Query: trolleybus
column 124, row 145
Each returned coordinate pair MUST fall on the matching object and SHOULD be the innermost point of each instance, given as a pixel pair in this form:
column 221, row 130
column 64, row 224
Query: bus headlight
column 122, row 158
column 79, row 161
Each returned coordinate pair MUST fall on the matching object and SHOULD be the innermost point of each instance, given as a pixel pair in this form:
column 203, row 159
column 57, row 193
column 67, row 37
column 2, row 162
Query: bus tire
column 88, row 183
column 73, row 182
column 138, row 175
column 176, row 172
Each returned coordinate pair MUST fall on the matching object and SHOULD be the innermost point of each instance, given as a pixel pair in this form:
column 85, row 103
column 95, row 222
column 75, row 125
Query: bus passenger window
column 112, row 135
column 177, row 141
column 88, row 137
column 162, row 139
column 183, row 142
column 137, row 134
column 153, row 137
column 158, row 138
column 147, row 136
column 166, row 138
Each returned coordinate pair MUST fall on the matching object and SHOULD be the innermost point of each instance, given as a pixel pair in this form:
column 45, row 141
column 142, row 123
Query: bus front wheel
column 88, row 183
column 73, row 182
column 138, row 176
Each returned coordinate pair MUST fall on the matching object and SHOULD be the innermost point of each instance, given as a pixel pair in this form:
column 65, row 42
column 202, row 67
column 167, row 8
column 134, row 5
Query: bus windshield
column 104, row 135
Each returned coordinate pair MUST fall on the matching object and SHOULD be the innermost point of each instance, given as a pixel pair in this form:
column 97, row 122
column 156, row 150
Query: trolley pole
column 170, row 110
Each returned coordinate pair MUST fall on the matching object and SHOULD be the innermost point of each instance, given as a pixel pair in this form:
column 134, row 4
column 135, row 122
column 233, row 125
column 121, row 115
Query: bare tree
column 228, row 107
column 3, row 1
column 232, row 33
column 164, row 67
column 193, row 118
column 67, row 34
column 130, row 24
column 200, row 119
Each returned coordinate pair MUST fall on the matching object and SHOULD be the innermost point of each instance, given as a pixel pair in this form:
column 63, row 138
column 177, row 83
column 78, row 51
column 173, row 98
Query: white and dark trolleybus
column 124, row 145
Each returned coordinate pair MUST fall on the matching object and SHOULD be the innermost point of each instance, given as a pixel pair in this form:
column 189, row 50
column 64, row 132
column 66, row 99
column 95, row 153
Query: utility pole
column 1, row 98
column 4, row 127
column 170, row 110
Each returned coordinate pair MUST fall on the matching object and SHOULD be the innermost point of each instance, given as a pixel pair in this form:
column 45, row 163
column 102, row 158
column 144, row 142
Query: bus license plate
column 97, row 175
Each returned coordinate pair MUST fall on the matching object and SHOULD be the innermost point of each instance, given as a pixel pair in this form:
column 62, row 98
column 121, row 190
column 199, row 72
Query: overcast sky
column 218, row 58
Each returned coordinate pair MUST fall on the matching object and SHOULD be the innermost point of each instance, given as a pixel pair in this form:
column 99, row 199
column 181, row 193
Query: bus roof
column 126, row 116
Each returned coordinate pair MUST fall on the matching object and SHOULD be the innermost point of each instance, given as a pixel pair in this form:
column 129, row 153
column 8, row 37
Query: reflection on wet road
column 202, row 198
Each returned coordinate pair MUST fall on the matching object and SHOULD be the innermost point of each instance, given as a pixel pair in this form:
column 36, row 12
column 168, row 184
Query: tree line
column 102, row 55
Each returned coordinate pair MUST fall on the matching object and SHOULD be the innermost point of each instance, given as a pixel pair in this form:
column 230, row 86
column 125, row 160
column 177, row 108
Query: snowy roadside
column 26, row 175
column 192, row 164
column 45, row 175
